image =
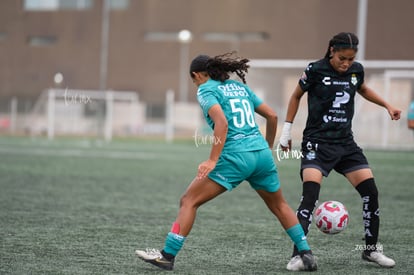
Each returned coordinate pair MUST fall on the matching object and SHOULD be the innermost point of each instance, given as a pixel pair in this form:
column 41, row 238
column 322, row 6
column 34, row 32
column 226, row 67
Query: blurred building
column 142, row 52
column 133, row 45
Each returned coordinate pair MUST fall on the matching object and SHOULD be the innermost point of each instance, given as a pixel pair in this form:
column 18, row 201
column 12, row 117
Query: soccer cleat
column 303, row 262
column 295, row 264
column 379, row 258
column 155, row 257
column 309, row 261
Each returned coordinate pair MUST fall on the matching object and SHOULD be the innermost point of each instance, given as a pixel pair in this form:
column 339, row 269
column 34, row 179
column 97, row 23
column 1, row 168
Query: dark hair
column 343, row 40
column 219, row 67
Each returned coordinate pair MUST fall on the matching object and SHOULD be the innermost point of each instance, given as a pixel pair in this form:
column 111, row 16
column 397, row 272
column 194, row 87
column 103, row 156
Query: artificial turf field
column 83, row 207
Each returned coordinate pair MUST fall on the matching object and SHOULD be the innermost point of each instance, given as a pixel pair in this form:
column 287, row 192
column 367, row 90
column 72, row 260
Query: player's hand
column 288, row 147
column 205, row 168
column 394, row 113
column 285, row 138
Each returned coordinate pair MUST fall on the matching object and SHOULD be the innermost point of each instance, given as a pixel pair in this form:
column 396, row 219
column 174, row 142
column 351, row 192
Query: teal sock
column 298, row 237
column 173, row 243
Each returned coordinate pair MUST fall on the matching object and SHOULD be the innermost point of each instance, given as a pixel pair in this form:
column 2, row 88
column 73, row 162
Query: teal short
column 256, row 167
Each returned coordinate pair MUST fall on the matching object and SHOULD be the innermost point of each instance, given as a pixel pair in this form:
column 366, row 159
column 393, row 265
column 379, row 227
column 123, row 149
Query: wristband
column 286, row 136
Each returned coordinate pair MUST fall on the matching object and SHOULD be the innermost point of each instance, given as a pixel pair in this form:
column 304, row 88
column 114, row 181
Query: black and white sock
column 370, row 212
column 310, row 195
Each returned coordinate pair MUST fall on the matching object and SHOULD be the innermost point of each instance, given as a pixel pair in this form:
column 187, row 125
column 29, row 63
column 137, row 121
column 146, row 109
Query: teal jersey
column 410, row 115
column 238, row 103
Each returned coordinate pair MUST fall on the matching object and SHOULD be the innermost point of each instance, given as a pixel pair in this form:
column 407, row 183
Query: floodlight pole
column 103, row 67
column 185, row 37
column 362, row 27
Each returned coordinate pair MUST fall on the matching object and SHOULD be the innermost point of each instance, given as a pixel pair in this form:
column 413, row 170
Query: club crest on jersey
column 311, row 155
column 354, row 79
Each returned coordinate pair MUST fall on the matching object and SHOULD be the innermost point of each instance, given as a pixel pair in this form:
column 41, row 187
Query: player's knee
column 184, row 200
column 187, row 201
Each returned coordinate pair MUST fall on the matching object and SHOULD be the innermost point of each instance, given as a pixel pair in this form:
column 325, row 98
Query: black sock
column 370, row 212
column 310, row 195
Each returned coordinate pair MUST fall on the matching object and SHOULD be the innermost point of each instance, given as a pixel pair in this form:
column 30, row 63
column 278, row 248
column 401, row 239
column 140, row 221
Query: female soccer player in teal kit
column 240, row 153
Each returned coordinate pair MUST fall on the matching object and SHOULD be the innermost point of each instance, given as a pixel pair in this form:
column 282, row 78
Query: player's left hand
column 394, row 113
column 205, row 168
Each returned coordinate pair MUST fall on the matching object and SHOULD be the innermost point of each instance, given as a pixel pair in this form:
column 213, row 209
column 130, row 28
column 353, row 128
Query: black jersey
column 330, row 101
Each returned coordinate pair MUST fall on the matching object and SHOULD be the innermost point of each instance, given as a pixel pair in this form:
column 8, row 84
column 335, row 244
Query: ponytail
column 343, row 40
column 221, row 66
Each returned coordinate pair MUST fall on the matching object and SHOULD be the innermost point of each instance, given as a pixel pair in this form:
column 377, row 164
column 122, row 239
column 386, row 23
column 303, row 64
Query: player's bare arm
column 373, row 97
column 271, row 122
column 220, row 134
column 293, row 106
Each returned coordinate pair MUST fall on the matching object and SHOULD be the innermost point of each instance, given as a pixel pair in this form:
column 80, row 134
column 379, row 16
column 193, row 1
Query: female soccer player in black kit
column 328, row 143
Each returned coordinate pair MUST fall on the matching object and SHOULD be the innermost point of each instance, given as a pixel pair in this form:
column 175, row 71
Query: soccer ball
column 331, row 217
